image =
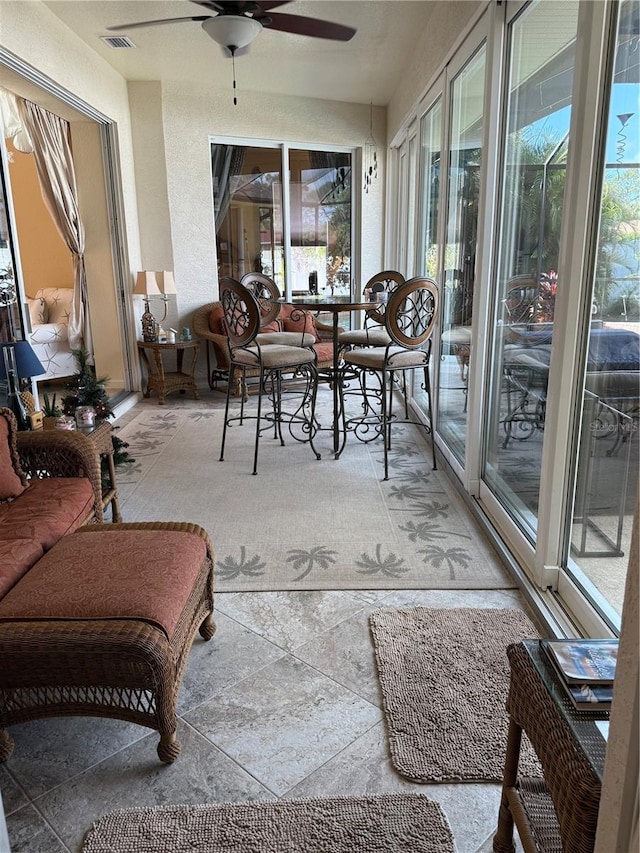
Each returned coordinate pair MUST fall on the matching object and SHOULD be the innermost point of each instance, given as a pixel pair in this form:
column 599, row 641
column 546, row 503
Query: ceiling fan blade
column 266, row 6
column 161, row 21
column 237, row 7
column 307, row 27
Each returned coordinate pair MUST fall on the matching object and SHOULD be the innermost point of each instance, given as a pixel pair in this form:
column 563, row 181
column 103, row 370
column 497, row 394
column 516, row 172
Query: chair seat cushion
column 291, row 339
column 376, row 358
column 145, row 575
column 274, row 356
column 16, row 558
column 47, row 510
column 324, row 351
column 375, row 336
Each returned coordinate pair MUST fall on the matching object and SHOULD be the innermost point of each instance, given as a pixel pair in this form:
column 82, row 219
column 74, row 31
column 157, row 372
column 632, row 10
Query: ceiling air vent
column 118, row 41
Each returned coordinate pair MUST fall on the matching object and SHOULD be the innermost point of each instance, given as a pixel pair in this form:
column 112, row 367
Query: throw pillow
column 300, row 321
column 37, row 311
column 10, row 484
column 274, row 326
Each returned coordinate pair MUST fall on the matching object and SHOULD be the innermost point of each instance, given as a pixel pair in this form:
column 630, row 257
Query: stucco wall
column 443, row 27
column 191, row 116
column 31, row 32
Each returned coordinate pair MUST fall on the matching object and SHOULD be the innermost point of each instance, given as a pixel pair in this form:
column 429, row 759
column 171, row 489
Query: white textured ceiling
column 367, row 68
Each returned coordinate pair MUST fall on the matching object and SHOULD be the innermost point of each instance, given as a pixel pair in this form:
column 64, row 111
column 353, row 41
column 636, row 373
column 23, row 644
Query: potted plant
column 50, row 412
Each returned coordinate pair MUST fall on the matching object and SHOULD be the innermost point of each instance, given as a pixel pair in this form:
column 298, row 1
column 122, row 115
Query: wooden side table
column 162, row 381
column 100, row 437
column 560, row 811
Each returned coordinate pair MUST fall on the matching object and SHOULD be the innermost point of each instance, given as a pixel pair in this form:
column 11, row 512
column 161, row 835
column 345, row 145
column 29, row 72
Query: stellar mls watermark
column 609, row 429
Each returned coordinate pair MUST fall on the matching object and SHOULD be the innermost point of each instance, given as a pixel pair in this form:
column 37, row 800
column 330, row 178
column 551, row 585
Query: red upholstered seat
column 16, row 557
column 145, row 575
column 324, row 349
column 47, row 510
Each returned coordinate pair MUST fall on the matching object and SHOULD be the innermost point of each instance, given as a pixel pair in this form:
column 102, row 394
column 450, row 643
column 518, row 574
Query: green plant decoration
column 49, row 407
column 86, row 389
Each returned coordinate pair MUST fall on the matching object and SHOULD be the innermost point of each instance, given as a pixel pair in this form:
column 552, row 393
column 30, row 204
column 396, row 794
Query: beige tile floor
column 283, row 702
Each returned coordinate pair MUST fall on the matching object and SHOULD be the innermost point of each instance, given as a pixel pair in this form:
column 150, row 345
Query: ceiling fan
column 238, row 22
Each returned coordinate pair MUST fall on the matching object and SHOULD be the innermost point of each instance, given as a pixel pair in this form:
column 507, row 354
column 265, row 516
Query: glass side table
column 560, row 811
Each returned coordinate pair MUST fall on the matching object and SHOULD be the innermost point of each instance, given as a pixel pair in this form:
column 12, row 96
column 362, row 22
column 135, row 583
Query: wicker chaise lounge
column 102, row 625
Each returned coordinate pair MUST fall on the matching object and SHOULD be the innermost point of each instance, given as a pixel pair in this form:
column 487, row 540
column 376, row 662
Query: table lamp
column 18, row 362
column 150, row 283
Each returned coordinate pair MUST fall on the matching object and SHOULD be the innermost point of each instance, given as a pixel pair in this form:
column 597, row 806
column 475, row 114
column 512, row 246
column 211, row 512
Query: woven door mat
column 385, row 823
column 444, row 676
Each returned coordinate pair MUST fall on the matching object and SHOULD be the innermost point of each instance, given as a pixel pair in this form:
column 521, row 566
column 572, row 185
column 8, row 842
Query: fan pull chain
column 233, row 60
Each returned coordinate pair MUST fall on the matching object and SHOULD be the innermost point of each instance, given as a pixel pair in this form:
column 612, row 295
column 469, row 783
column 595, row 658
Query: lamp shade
column 27, row 362
column 147, row 284
column 150, row 283
column 166, row 282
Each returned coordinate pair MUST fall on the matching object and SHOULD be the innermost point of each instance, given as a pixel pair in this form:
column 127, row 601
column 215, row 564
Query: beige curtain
column 49, row 135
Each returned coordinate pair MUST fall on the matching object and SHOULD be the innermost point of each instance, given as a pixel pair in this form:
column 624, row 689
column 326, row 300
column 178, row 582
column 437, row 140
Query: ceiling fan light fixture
column 232, row 31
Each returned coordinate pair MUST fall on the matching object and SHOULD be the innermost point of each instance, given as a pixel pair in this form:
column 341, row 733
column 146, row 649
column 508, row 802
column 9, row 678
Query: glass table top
column 586, row 726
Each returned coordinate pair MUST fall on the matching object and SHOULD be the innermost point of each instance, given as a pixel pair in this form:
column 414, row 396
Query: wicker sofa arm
column 61, row 453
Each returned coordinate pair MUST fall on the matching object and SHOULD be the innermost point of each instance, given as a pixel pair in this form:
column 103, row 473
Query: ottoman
column 102, row 625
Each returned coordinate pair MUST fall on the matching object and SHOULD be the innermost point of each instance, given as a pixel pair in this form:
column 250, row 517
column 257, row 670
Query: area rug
column 387, row 823
column 303, row 523
column 444, row 676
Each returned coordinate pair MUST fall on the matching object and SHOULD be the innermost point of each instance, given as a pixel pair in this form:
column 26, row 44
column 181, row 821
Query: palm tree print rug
column 303, row 523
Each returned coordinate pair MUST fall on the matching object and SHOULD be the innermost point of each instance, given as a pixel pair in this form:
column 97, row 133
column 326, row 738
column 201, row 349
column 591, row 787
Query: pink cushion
column 47, row 510
column 16, row 558
column 303, row 322
column 111, row 574
column 216, row 324
column 10, row 484
column 324, row 350
column 273, row 326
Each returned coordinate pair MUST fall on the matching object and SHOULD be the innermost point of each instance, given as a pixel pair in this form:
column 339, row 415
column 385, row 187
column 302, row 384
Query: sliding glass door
column 285, row 212
column 458, row 279
column 608, row 450
column 538, row 112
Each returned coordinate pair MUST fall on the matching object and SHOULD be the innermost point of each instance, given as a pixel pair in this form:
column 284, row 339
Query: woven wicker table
column 559, row 812
column 165, row 382
column 100, row 437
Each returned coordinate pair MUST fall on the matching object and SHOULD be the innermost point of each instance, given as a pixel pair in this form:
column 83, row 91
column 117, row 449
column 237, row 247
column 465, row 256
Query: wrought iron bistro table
column 164, row 382
column 559, row 812
column 333, row 305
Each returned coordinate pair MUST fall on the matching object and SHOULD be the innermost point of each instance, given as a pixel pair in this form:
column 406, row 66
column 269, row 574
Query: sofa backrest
column 59, row 301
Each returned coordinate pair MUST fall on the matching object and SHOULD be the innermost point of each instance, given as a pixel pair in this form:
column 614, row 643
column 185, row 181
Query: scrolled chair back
column 383, row 282
column 521, row 299
column 412, row 312
column 240, row 312
column 265, row 291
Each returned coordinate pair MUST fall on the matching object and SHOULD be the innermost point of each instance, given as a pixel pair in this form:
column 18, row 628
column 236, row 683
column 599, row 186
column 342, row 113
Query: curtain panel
column 49, row 135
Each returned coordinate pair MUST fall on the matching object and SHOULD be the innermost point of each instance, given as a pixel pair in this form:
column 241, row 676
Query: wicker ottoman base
column 125, row 668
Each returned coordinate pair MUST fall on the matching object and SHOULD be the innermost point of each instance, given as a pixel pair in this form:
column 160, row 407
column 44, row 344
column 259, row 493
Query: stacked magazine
column 586, row 669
